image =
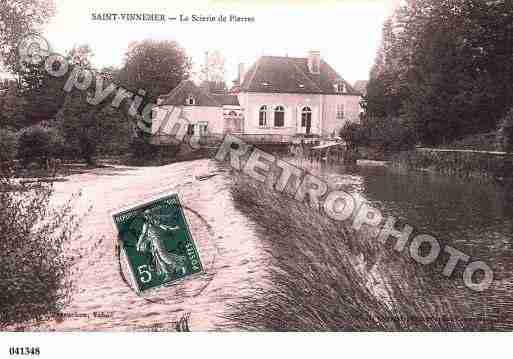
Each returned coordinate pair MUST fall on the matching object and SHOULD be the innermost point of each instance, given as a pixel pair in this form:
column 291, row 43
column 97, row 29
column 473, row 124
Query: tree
column 77, row 119
column 8, row 145
column 11, row 106
column 156, row 67
column 446, row 67
column 18, row 18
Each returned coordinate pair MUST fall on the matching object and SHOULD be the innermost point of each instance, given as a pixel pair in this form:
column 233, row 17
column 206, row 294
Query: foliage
column 384, row 135
column 11, row 105
column 464, row 164
column 34, row 280
column 90, row 130
column 351, row 133
column 325, row 277
column 19, row 18
column 143, row 153
column 8, row 145
column 37, row 143
column 478, row 141
column 445, row 67
column 505, row 133
column 156, row 67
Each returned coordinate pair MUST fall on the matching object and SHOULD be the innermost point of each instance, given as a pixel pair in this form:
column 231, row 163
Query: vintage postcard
column 258, row 166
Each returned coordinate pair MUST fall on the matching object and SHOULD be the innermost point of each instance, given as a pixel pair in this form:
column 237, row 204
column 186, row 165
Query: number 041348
column 24, row 351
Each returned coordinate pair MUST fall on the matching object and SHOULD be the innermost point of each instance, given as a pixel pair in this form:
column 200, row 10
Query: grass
column 325, row 277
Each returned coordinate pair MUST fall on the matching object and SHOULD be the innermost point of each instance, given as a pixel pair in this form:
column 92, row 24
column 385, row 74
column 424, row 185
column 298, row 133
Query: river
column 471, row 216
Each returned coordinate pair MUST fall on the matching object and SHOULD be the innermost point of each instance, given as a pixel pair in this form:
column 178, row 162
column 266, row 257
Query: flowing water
column 473, row 217
column 229, row 250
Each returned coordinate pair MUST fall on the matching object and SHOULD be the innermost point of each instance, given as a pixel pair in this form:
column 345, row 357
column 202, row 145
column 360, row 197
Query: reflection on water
column 473, row 217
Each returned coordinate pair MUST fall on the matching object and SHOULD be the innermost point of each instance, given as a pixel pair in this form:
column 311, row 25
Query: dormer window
column 314, row 62
column 341, row 87
column 190, row 100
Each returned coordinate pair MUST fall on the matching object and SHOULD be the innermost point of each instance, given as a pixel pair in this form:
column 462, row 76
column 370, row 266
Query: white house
column 206, row 113
column 278, row 99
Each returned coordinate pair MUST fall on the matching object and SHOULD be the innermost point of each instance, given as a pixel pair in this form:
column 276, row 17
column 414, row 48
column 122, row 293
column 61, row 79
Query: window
column 279, row 116
column 190, row 130
column 190, row 100
column 315, row 67
column 340, row 111
column 341, row 88
column 203, row 128
column 306, row 117
column 262, row 116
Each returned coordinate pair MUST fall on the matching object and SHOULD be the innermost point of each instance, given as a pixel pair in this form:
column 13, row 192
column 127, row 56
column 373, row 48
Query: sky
column 346, row 32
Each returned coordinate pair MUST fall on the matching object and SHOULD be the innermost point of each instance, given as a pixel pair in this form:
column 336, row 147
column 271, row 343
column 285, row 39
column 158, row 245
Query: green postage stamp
column 157, row 243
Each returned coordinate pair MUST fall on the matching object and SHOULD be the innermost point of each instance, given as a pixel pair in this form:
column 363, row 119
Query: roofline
column 220, row 106
column 303, row 93
column 257, row 63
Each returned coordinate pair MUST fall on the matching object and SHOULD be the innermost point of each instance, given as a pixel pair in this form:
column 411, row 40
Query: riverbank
column 483, row 165
column 326, row 277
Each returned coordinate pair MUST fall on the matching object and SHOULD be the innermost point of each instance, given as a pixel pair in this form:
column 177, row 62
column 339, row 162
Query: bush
column 352, row 134
column 34, row 280
column 458, row 163
column 505, row 133
column 143, row 153
column 385, row 135
column 8, row 145
column 38, row 143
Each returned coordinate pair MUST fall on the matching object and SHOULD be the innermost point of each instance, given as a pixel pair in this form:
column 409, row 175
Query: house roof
column 226, row 99
column 186, row 88
column 291, row 75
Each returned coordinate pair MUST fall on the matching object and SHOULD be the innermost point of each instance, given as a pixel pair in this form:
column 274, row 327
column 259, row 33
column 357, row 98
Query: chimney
column 314, row 62
column 242, row 73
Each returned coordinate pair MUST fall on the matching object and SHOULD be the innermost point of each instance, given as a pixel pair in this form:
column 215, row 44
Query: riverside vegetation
column 34, row 268
column 324, row 276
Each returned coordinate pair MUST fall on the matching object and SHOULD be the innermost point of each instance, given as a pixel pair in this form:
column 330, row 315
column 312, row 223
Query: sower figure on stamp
column 150, row 240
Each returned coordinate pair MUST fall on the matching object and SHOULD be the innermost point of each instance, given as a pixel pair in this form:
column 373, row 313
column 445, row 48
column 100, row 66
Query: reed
column 323, row 276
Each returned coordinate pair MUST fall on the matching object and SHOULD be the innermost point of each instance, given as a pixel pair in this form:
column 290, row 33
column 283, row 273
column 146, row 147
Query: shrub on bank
column 462, row 164
column 381, row 135
column 325, row 277
column 352, row 133
column 39, row 144
column 8, row 145
column 144, row 153
column 34, row 270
